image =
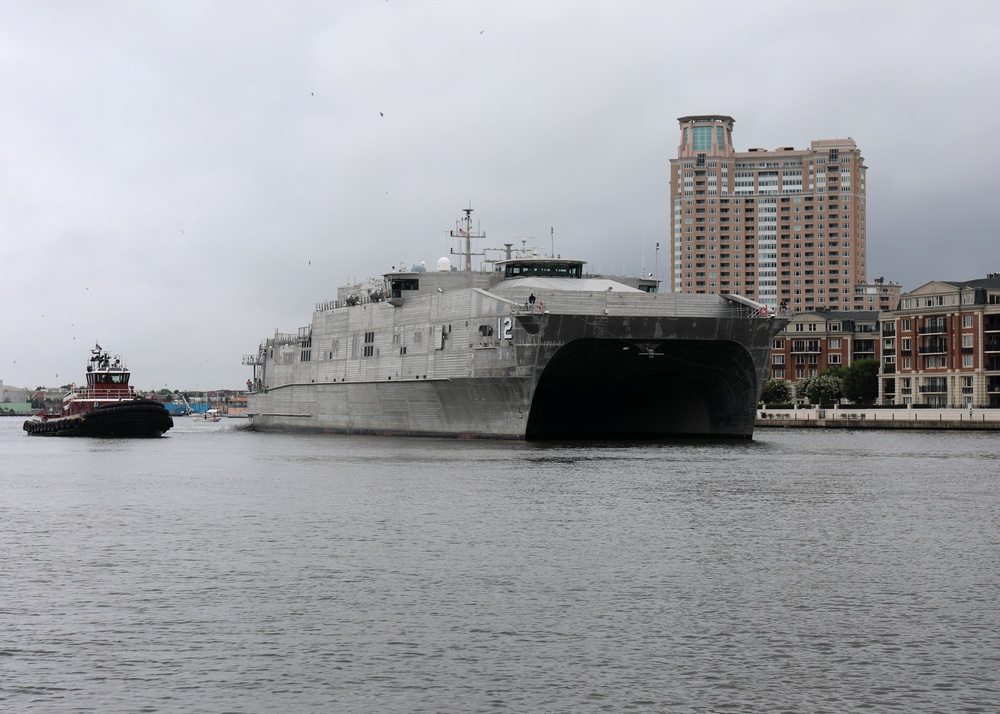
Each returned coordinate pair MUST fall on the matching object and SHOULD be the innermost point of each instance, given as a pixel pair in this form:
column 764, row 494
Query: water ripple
column 230, row 571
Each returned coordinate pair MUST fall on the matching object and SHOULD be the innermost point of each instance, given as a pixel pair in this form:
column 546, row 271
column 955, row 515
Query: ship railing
column 103, row 393
column 362, row 297
column 629, row 303
column 280, row 339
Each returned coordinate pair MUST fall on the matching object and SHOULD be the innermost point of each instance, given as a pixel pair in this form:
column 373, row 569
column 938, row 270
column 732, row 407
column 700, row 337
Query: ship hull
column 133, row 419
column 561, row 377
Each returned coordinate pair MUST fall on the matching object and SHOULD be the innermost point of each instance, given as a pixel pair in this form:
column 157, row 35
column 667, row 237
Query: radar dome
column 444, row 265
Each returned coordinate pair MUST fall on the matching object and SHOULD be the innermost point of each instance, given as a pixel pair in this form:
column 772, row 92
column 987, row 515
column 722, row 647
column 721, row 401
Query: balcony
column 933, row 389
column 934, row 348
column 935, row 329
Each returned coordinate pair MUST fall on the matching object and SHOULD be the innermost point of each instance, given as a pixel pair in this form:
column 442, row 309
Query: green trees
column 776, row 391
column 824, row 388
column 857, row 383
column 860, row 382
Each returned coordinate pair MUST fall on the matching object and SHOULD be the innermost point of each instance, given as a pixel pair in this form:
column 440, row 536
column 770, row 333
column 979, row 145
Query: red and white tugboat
column 107, row 406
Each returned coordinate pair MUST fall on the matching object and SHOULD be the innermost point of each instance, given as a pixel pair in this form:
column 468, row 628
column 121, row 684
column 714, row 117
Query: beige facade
column 941, row 347
column 784, row 227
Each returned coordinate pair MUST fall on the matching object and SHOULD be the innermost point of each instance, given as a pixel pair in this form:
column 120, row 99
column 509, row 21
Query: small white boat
column 210, row 415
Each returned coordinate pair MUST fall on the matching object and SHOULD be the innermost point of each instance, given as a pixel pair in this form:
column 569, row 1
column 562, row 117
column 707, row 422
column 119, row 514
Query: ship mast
column 463, row 229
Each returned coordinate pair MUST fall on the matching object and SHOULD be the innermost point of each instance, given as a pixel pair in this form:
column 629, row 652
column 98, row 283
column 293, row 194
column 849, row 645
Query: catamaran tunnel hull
column 586, row 377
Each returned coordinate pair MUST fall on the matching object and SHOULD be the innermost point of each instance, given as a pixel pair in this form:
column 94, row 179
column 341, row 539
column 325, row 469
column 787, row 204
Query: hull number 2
column 505, row 326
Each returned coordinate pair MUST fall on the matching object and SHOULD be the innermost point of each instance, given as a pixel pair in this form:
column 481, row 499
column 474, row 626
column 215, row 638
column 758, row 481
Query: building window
column 966, row 320
column 702, row 138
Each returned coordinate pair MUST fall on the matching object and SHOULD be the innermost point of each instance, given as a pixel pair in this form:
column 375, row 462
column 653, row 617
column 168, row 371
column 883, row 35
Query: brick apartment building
column 784, row 227
column 941, row 347
column 816, row 341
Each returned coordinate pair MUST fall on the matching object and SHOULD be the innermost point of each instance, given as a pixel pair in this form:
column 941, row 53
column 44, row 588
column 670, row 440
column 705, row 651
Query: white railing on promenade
column 897, row 414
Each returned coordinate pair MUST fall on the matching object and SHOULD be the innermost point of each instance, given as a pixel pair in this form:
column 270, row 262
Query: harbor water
column 220, row 570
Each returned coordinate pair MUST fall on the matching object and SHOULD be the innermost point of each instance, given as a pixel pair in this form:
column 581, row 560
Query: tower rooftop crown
column 720, row 118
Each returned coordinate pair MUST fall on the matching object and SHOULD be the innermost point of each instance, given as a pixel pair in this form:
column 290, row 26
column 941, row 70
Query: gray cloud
column 179, row 181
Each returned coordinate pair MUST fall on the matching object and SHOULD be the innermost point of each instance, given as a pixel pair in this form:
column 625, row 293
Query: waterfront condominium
column 784, row 227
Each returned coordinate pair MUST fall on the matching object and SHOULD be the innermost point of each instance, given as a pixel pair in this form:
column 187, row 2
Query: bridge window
column 545, row 269
column 400, row 284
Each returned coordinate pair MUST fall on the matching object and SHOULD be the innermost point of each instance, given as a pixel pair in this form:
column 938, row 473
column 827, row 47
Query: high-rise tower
column 784, row 226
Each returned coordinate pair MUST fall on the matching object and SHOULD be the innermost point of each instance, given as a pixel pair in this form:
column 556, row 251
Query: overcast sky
column 178, row 180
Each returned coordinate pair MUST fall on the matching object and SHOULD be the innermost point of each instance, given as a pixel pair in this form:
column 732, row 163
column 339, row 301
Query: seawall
column 860, row 418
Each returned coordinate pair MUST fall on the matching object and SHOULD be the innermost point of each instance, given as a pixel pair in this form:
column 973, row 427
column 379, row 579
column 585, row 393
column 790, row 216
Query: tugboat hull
column 136, row 418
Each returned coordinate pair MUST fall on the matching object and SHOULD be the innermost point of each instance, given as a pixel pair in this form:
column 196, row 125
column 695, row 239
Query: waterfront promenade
column 854, row 417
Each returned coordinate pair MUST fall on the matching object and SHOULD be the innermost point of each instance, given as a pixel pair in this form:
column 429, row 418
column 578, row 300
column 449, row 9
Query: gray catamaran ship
column 529, row 348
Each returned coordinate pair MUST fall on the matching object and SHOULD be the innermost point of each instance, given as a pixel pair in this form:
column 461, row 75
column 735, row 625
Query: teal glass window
column 702, row 138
